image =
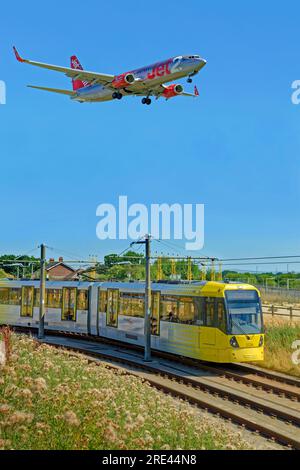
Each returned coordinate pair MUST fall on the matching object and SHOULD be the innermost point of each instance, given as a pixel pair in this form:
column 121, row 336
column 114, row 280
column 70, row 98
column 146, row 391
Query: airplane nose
column 201, row 63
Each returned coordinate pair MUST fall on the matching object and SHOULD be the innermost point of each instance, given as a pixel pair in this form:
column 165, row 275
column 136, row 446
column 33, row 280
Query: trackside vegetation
column 53, row 399
column 280, row 336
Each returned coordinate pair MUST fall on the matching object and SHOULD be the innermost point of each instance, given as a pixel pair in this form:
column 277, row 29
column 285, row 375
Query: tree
column 130, row 257
column 21, row 266
column 110, row 260
column 101, row 269
column 117, row 272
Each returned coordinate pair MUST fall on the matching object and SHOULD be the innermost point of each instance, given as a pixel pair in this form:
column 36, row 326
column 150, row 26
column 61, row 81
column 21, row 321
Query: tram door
column 155, row 313
column 69, row 304
column 209, row 333
column 112, row 311
column 27, row 301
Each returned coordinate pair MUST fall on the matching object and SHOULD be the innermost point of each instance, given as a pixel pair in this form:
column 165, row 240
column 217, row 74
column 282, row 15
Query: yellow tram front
column 238, row 335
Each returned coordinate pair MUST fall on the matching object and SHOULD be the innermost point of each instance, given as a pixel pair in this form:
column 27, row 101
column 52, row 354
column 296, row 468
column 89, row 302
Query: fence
column 292, row 312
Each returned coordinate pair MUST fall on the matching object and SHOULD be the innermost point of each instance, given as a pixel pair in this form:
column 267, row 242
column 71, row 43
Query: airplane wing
column 159, row 90
column 54, row 90
column 76, row 74
column 191, row 95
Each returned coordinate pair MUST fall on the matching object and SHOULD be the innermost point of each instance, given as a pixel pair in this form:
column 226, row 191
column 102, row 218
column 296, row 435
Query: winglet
column 18, row 57
column 196, row 91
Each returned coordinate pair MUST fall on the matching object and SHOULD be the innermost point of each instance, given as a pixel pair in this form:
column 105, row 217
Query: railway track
column 270, row 381
column 241, row 372
column 266, row 404
column 273, row 375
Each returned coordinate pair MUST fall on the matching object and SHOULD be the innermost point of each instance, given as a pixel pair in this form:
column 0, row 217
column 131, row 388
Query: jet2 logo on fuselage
column 160, row 70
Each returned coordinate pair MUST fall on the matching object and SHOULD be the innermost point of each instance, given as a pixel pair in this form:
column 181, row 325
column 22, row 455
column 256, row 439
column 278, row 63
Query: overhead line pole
column 41, row 332
column 147, row 323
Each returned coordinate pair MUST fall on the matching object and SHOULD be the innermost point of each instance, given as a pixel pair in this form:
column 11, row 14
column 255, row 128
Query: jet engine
column 123, row 80
column 173, row 90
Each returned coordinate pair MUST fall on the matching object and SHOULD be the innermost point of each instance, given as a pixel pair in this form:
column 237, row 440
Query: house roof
column 53, row 264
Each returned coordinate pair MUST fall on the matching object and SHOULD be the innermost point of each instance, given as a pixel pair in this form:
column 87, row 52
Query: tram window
column 102, row 301
column 132, row 305
column 169, row 309
column 14, row 296
column 53, row 298
column 27, row 301
column 199, row 304
column 186, row 310
column 221, row 315
column 112, row 307
column 178, row 309
column 10, row 296
column 125, row 304
column 210, row 311
column 137, row 305
column 4, row 295
column 36, row 302
column 69, row 304
column 82, row 299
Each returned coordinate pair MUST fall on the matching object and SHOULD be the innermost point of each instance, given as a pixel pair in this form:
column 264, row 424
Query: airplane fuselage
column 146, row 78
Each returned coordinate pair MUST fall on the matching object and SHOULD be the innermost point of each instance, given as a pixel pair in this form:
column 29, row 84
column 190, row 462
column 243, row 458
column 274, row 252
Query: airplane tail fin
column 77, row 84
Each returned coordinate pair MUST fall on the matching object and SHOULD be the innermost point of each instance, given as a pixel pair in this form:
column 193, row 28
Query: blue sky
column 236, row 149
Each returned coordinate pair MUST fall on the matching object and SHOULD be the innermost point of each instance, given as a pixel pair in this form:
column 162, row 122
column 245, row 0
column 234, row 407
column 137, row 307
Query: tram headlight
column 234, row 343
column 261, row 341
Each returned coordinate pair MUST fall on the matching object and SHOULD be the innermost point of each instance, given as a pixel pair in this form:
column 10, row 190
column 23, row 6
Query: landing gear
column 189, row 80
column 146, row 101
column 117, row 95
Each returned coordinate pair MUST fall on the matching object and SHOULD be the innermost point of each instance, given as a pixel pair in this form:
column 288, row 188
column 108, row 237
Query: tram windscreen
column 244, row 312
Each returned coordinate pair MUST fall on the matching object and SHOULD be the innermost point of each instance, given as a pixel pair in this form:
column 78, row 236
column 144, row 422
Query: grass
column 53, row 399
column 284, row 299
column 280, row 335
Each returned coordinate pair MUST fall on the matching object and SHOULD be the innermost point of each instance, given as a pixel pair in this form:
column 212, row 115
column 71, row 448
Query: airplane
column 146, row 81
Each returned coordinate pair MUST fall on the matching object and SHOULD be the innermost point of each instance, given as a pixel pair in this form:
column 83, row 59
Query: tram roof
column 179, row 287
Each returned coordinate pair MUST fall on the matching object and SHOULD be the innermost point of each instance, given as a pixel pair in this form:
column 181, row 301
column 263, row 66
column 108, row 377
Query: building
column 58, row 271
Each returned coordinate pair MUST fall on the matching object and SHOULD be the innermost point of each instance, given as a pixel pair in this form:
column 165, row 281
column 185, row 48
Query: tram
column 212, row 321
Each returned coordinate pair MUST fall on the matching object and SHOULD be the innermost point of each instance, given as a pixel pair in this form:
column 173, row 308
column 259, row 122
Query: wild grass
column 53, row 399
column 280, row 299
column 280, row 335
